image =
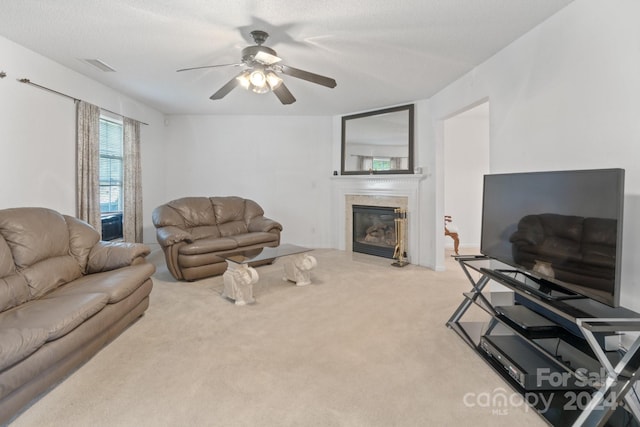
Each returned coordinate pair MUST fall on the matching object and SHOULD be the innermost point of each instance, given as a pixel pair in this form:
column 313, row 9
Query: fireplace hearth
column 374, row 230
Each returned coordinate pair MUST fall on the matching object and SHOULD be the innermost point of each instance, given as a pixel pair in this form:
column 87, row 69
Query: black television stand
column 530, row 338
column 539, row 287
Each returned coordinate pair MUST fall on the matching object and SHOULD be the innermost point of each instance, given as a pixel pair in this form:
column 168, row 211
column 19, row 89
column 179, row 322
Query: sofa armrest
column 530, row 232
column 170, row 235
column 524, row 238
column 105, row 256
column 261, row 223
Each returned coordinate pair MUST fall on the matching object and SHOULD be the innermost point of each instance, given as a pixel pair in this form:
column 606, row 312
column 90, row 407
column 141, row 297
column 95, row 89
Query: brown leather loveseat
column 64, row 294
column 194, row 231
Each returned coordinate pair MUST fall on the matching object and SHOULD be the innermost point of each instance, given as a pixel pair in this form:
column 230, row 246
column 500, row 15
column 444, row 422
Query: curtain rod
column 29, row 82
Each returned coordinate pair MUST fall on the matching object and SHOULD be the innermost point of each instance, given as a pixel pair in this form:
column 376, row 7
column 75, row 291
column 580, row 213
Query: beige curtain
column 132, row 215
column 88, row 163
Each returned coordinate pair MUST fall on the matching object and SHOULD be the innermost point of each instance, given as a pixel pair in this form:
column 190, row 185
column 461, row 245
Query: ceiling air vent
column 99, row 65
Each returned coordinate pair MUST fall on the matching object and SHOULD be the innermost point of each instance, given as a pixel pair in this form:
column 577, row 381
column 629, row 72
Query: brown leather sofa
column 194, row 231
column 64, row 294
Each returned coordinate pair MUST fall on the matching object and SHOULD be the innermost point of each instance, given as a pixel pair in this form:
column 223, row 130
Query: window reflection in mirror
column 378, row 142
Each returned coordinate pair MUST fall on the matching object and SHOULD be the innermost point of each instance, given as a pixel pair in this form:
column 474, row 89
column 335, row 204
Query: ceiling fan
column 262, row 72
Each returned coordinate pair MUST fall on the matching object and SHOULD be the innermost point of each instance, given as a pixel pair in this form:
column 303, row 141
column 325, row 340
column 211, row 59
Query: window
column 111, row 179
column 377, row 163
column 381, row 164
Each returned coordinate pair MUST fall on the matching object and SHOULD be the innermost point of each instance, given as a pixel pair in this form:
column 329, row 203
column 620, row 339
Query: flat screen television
column 563, row 229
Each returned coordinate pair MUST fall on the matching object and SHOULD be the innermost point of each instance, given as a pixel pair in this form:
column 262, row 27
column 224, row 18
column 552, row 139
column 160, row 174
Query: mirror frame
column 345, row 119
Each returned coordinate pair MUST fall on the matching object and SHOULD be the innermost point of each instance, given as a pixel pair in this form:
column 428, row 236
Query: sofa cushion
column 599, row 256
column 529, row 232
column 117, row 284
column 165, row 216
column 82, row 237
column 57, row 315
column 204, row 231
column 558, row 250
column 204, row 246
column 14, row 291
column 13, row 287
column 249, row 239
column 195, row 211
column 232, row 228
column 7, row 266
column 18, row 343
column 34, row 234
column 48, row 274
column 563, row 226
column 252, row 210
column 228, row 209
column 600, row 231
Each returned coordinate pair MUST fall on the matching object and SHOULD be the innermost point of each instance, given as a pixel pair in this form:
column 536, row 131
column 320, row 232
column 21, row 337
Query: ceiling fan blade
column 283, row 94
column 310, row 77
column 209, row 66
column 228, row 87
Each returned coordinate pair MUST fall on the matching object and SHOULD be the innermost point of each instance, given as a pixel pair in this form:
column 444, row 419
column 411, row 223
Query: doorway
column 466, row 161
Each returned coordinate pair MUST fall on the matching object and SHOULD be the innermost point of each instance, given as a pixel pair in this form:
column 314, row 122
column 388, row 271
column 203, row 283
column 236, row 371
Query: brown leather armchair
column 194, row 231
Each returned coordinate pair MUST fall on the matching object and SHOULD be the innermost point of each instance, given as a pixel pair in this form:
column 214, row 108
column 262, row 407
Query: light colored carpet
column 364, row 345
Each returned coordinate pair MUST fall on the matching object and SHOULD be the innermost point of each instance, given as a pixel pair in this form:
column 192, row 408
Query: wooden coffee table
column 240, row 276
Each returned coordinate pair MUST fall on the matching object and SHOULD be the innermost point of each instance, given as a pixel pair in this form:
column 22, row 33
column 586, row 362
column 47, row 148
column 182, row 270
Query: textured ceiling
column 380, row 52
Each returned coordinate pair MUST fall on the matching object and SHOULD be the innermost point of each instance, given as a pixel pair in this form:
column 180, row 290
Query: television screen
column 564, row 227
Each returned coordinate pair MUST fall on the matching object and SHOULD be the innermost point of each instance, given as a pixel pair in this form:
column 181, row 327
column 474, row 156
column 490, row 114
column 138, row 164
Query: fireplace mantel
column 376, row 186
column 380, row 179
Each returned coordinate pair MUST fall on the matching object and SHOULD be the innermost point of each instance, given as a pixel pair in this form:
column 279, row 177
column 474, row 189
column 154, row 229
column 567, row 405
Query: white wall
column 466, row 161
column 283, row 163
column 564, row 96
column 37, row 134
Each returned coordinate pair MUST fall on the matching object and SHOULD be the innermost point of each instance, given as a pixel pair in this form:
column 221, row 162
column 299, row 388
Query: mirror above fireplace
column 378, row 142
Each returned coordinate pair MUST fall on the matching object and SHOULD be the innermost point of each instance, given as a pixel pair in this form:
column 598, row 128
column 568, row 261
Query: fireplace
column 402, row 191
column 374, row 230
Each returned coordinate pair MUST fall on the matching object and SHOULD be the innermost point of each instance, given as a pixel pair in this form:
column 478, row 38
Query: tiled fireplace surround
column 376, row 190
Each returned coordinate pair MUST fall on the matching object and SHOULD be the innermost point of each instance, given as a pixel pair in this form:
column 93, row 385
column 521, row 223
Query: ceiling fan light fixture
column 261, row 72
column 273, row 80
column 258, row 79
column 266, row 58
column 254, row 80
column 244, row 80
column 260, row 89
